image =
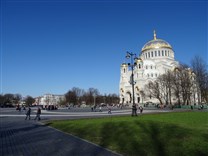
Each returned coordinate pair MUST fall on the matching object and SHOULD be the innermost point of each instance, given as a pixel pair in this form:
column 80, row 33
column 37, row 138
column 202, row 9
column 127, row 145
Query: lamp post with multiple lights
column 134, row 60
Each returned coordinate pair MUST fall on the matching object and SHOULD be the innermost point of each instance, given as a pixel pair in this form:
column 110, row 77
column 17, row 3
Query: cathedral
column 156, row 57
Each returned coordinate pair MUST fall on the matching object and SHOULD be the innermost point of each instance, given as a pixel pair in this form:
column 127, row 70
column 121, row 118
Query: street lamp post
column 133, row 58
column 94, row 100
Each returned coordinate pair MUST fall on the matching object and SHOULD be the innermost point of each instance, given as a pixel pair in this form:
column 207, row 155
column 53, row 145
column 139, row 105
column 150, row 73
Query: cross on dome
column 155, row 37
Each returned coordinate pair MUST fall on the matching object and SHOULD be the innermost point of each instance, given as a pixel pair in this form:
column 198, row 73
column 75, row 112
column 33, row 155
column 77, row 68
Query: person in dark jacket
column 28, row 113
column 141, row 109
column 38, row 114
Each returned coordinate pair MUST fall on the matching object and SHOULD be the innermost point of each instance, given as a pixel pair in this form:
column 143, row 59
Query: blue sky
column 51, row 46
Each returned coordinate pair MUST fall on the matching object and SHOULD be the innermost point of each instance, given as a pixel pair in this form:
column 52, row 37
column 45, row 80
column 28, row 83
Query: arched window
column 155, row 53
column 139, row 66
column 124, row 70
column 149, row 54
column 158, row 53
column 152, row 53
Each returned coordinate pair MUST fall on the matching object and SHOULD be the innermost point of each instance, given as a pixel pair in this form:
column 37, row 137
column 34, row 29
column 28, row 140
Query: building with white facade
column 157, row 57
column 49, row 99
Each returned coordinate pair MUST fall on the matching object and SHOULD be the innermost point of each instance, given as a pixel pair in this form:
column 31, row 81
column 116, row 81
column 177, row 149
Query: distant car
column 146, row 104
column 103, row 104
column 149, row 103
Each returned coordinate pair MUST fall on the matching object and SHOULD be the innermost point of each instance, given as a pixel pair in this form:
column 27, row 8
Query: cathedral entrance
column 122, row 99
column 138, row 99
column 129, row 98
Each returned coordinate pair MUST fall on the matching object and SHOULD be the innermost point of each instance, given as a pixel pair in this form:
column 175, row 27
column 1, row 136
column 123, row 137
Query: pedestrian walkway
column 70, row 114
column 21, row 137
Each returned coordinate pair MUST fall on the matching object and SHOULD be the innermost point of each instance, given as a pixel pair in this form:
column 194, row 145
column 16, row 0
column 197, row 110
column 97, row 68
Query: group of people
column 134, row 110
column 37, row 114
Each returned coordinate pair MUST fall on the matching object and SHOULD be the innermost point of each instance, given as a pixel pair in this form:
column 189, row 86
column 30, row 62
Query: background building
column 49, row 99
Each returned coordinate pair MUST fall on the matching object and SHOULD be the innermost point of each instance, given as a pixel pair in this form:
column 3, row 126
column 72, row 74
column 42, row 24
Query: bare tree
column 71, row 97
column 206, row 88
column 185, row 78
column 154, row 89
column 90, row 96
column 79, row 94
column 177, row 85
column 29, row 100
column 166, row 80
column 112, row 99
column 8, row 98
column 17, row 98
column 1, row 100
column 179, row 82
column 200, row 70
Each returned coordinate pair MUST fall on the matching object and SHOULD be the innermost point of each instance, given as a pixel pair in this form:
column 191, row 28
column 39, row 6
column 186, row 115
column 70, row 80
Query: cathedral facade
column 157, row 57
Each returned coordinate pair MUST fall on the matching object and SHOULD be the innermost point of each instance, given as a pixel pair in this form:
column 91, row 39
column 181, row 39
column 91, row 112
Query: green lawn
column 184, row 133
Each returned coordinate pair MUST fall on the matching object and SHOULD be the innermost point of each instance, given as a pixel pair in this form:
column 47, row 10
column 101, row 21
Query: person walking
column 141, row 109
column 28, row 113
column 38, row 114
column 92, row 109
column 100, row 109
column 109, row 109
column 134, row 110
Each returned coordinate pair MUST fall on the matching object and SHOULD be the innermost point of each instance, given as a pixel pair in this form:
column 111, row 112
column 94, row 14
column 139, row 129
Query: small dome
column 124, row 65
column 156, row 43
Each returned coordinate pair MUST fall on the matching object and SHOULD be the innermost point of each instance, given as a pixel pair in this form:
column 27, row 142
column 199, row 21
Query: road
column 73, row 113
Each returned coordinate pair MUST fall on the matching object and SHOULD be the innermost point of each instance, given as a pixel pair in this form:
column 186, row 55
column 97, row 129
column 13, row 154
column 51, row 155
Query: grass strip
column 179, row 133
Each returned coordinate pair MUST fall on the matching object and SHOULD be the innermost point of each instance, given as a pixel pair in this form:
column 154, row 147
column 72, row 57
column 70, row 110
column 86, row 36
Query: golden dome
column 156, row 43
column 124, row 65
